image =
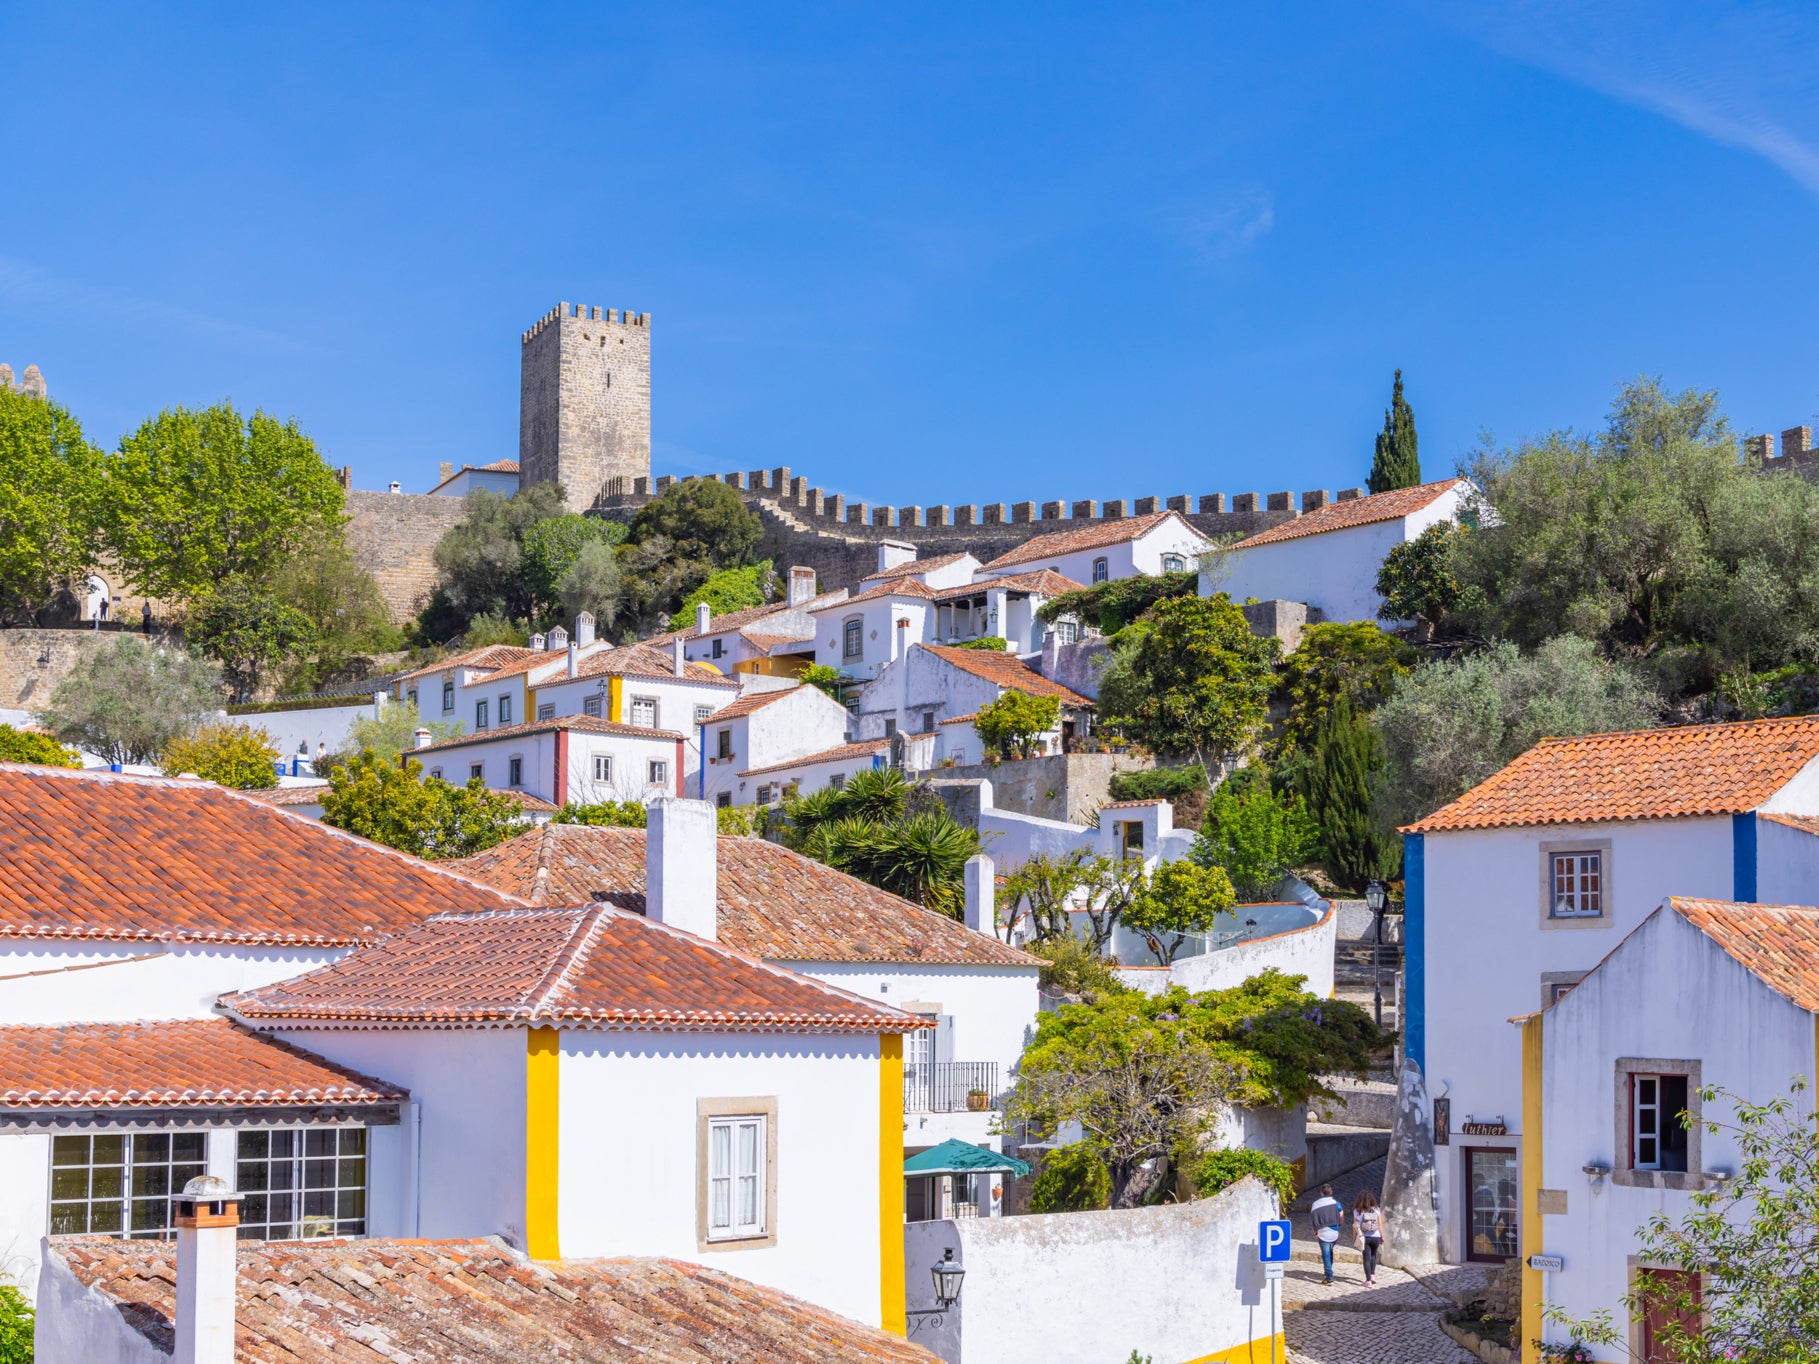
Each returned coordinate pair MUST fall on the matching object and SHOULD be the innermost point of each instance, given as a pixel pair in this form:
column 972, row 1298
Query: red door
column 1673, row 1299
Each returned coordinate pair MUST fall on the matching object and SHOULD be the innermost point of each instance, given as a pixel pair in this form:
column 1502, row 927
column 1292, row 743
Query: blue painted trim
column 1743, row 858
column 1414, row 947
column 701, row 770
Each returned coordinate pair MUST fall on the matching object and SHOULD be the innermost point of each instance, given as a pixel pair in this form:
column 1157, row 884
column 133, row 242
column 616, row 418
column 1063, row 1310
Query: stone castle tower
column 584, row 401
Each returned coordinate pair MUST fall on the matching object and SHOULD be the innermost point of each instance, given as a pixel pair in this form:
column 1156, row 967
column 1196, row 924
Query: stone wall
column 584, row 400
column 33, row 662
column 393, row 537
column 1063, row 786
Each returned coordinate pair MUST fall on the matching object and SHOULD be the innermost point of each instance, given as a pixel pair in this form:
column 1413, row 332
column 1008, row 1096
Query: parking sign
column 1273, row 1242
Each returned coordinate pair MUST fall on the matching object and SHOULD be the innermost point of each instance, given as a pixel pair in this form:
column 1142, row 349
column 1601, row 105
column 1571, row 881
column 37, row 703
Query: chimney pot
column 801, row 584
column 558, row 640
column 397, row 487
column 421, row 736
column 539, row 641
column 681, row 865
column 571, row 660
column 703, row 613
column 681, row 661
column 981, row 894
column 584, row 629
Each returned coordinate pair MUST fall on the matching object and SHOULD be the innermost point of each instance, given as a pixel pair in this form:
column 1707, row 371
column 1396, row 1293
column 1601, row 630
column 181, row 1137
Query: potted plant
column 976, row 1100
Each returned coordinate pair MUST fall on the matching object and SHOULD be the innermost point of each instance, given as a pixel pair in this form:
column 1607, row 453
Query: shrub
column 24, row 746
column 128, row 699
column 741, row 821
column 1016, row 720
column 1255, row 836
column 1072, row 969
column 611, row 814
column 16, row 1326
column 1216, row 1170
column 996, row 643
column 1073, row 1179
column 240, row 756
column 1113, row 605
column 1164, row 783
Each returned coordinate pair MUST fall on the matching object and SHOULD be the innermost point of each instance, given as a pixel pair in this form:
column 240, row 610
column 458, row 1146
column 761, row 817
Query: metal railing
column 949, row 1086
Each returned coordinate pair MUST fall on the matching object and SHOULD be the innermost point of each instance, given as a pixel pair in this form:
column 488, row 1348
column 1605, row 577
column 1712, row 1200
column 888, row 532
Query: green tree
column 392, row 731
column 1254, row 836
column 702, row 519
column 592, row 584
column 1452, row 723
column 1114, row 604
column 1754, row 1244
column 50, row 493
column 1043, row 890
column 345, row 611
column 1395, row 463
column 1072, row 1179
column 1213, row 1171
column 654, row 577
column 480, row 562
column 551, row 547
column 1016, row 720
column 732, row 589
column 26, row 746
column 127, row 700
column 605, row 814
column 431, row 819
column 236, row 755
column 1352, row 660
column 886, row 831
column 1341, row 782
column 1419, row 580
column 17, row 1326
column 1189, row 677
column 1179, row 898
column 246, row 628
column 823, row 678
column 198, row 497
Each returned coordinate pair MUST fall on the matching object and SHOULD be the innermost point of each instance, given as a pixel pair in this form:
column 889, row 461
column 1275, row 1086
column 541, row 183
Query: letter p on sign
column 1273, row 1242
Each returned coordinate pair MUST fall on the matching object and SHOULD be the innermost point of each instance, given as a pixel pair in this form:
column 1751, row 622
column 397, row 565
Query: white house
column 451, row 691
column 773, row 640
column 859, row 635
column 936, row 690
column 1160, row 542
column 577, row 759
column 599, row 1082
column 759, row 732
column 1329, row 558
column 1005, row 608
column 814, row 771
column 897, row 562
column 1702, row 993
column 1521, row 886
column 502, row 476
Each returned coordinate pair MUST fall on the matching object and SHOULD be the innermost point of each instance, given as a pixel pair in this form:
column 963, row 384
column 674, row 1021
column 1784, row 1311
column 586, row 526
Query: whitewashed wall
column 1140, row 556
column 1081, row 1288
column 47, row 980
column 78, row 1326
column 1302, row 947
column 319, row 725
column 878, row 632
column 1787, row 865
column 806, row 721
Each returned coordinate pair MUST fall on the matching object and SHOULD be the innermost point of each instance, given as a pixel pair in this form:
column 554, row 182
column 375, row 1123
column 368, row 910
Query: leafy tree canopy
column 551, row 547
column 391, row 732
column 1254, row 835
column 1179, row 898
column 1354, row 660
column 1016, row 721
column 196, row 497
column 127, row 700
column 395, row 806
column 346, row 615
column 1395, row 462
column 50, row 497
column 888, row 831
column 27, row 746
column 237, row 755
column 592, row 583
column 731, row 589
column 247, row 628
column 607, row 814
column 1115, row 604
column 481, row 561
column 1072, row 1179
column 702, row 519
column 1340, row 782
column 1419, row 580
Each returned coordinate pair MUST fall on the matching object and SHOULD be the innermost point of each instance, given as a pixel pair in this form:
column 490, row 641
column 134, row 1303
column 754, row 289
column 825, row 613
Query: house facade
column 1160, row 542
column 747, row 741
column 858, row 636
column 576, row 760
column 936, row 690
column 809, row 772
column 773, row 640
column 1519, row 888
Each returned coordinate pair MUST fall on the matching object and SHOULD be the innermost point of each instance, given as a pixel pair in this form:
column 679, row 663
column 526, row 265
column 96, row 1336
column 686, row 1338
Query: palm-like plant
column 878, row 793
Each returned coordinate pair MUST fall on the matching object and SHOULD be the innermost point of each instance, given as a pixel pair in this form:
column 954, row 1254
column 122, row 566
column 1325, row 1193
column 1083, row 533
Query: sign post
column 1274, row 1245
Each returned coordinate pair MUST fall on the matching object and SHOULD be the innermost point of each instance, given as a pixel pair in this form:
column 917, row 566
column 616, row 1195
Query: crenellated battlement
column 1797, row 453
column 31, row 382
column 581, row 312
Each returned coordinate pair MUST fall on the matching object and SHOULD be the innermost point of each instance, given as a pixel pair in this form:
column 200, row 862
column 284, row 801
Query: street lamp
column 1377, row 896
column 947, row 1273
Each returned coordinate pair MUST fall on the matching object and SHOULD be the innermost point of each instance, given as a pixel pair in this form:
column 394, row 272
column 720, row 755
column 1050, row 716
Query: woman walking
column 1367, row 1227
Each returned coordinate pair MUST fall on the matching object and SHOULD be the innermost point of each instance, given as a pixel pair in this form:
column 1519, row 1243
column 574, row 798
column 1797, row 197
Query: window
column 1655, row 1146
column 1555, row 984
column 890, row 727
column 515, row 767
column 724, row 800
column 644, row 711
column 1578, row 885
column 854, row 635
column 1101, row 570
column 448, row 694
column 1657, row 1133
column 302, row 1183
column 737, row 1170
column 958, row 755
column 723, row 744
column 505, row 710
column 479, row 715
column 603, row 767
column 701, row 714
column 1068, row 630
column 476, row 772
column 764, row 795
column 1492, row 1179
column 659, row 772
column 547, row 711
column 928, row 722
column 121, row 1182
column 590, row 705
column 1130, row 838
column 436, row 772
column 1173, row 563
column 718, row 648
column 836, row 781
column 411, row 696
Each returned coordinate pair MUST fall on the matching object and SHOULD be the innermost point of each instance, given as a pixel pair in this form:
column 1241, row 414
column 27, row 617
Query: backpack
column 1369, row 1224
column 1327, row 1215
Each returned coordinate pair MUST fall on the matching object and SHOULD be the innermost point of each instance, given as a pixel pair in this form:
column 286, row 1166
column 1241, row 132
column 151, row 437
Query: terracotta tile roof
column 1090, row 535
column 472, row 1302
column 915, row 566
column 498, row 466
column 908, row 587
column 584, row 724
column 774, row 903
column 1807, row 824
column 594, row 966
column 289, row 795
column 1006, row 671
column 543, row 658
column 1130, row 804
column 750, row 615
column 751, row 701
column 864, row 748
column 966, row 719
column 645, row 660
column 192, row 1063
column 1778, row 943
column 528, row 802
column 1044, row 581
column 94, row 855
column 1357, row 511
column 1674, row 773
column 486, row 657
column 769, row 642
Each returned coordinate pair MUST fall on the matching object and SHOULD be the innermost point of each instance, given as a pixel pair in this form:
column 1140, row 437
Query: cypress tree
column 1338, row 782
column 1396, row 463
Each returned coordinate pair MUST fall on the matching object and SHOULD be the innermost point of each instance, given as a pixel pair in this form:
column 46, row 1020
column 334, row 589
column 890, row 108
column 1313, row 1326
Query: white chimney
column 681, row 865
column 584, row 629
column 539, row 641
column 208, row 1220
column 894, row 552
column 573, row 657
column 558, row 640
column 681, row 662
column 801, row 585
column 900, row 639
column 703, row 614
column 981, row 894
column 397, row 487
column 421, row 738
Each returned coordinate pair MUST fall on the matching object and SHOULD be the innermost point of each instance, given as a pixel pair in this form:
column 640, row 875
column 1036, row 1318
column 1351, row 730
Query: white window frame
column 1102, row 570
column 301, row 1163
column 658, row 771
column 590, row 705
column 648, row 704
column 1173, row 563
column 603, row 767
column 126, row 1197
column 1576, row 883
column 739, row 1173
column 448, row 695
column 547, row 711
column 702, row 713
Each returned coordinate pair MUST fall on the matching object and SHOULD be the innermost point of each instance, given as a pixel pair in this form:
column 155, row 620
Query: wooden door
column 1664, row 1308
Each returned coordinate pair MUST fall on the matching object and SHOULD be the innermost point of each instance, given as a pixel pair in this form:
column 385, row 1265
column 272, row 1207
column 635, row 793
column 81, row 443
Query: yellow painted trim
column 892, row 1292
column 1251, row 1352
column 1532, row 1240
column 542, row 1142
column 615, row 698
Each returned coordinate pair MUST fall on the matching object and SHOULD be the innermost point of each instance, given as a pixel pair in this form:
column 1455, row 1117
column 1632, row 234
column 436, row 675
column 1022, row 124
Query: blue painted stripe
column 1743, row 858
column 1414, row 948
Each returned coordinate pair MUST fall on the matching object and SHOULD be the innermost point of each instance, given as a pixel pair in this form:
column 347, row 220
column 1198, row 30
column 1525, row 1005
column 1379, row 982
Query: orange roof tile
column 908, row 587
column 1006, row 671
column 190, row 1063
column 1779, row 944
column 1088, row 535
column 1045, row 581
column 289, row 795
column 528, row 802
column 734, row 620
column 95, row 855
column 1806, row 824
column 471, row 1302
column 584, row 724
column 864, row 748
column 1131, row 804
column 595, row 966
column 486, row 657
column 770, row 642
column 773, row 903
column 644, row 660
column 1357, row 511
column 1674, row 773
column 914, row 567
column 751, row 701
column 966, row 719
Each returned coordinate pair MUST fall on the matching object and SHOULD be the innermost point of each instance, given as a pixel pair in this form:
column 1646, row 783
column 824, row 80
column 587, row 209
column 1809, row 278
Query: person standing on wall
column 1327, row 1213
column 1367, row 1228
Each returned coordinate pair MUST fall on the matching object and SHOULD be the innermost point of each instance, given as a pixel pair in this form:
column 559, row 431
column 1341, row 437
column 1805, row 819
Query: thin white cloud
column 1232, row 227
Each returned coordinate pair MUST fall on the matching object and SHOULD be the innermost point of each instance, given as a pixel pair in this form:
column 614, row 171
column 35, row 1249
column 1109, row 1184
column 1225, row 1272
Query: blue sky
column 920, row 254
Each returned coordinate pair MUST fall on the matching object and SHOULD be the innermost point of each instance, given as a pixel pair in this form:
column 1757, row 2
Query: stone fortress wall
column 584, row 399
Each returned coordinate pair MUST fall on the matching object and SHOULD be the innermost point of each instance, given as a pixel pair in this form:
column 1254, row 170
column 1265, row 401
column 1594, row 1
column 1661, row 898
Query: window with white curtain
column 736, row 1177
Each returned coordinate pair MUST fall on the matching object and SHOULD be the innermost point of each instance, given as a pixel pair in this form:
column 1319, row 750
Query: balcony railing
column 949, row 1086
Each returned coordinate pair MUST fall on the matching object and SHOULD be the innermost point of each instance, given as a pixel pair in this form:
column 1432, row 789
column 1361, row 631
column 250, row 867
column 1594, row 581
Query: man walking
column 1326, row 1214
